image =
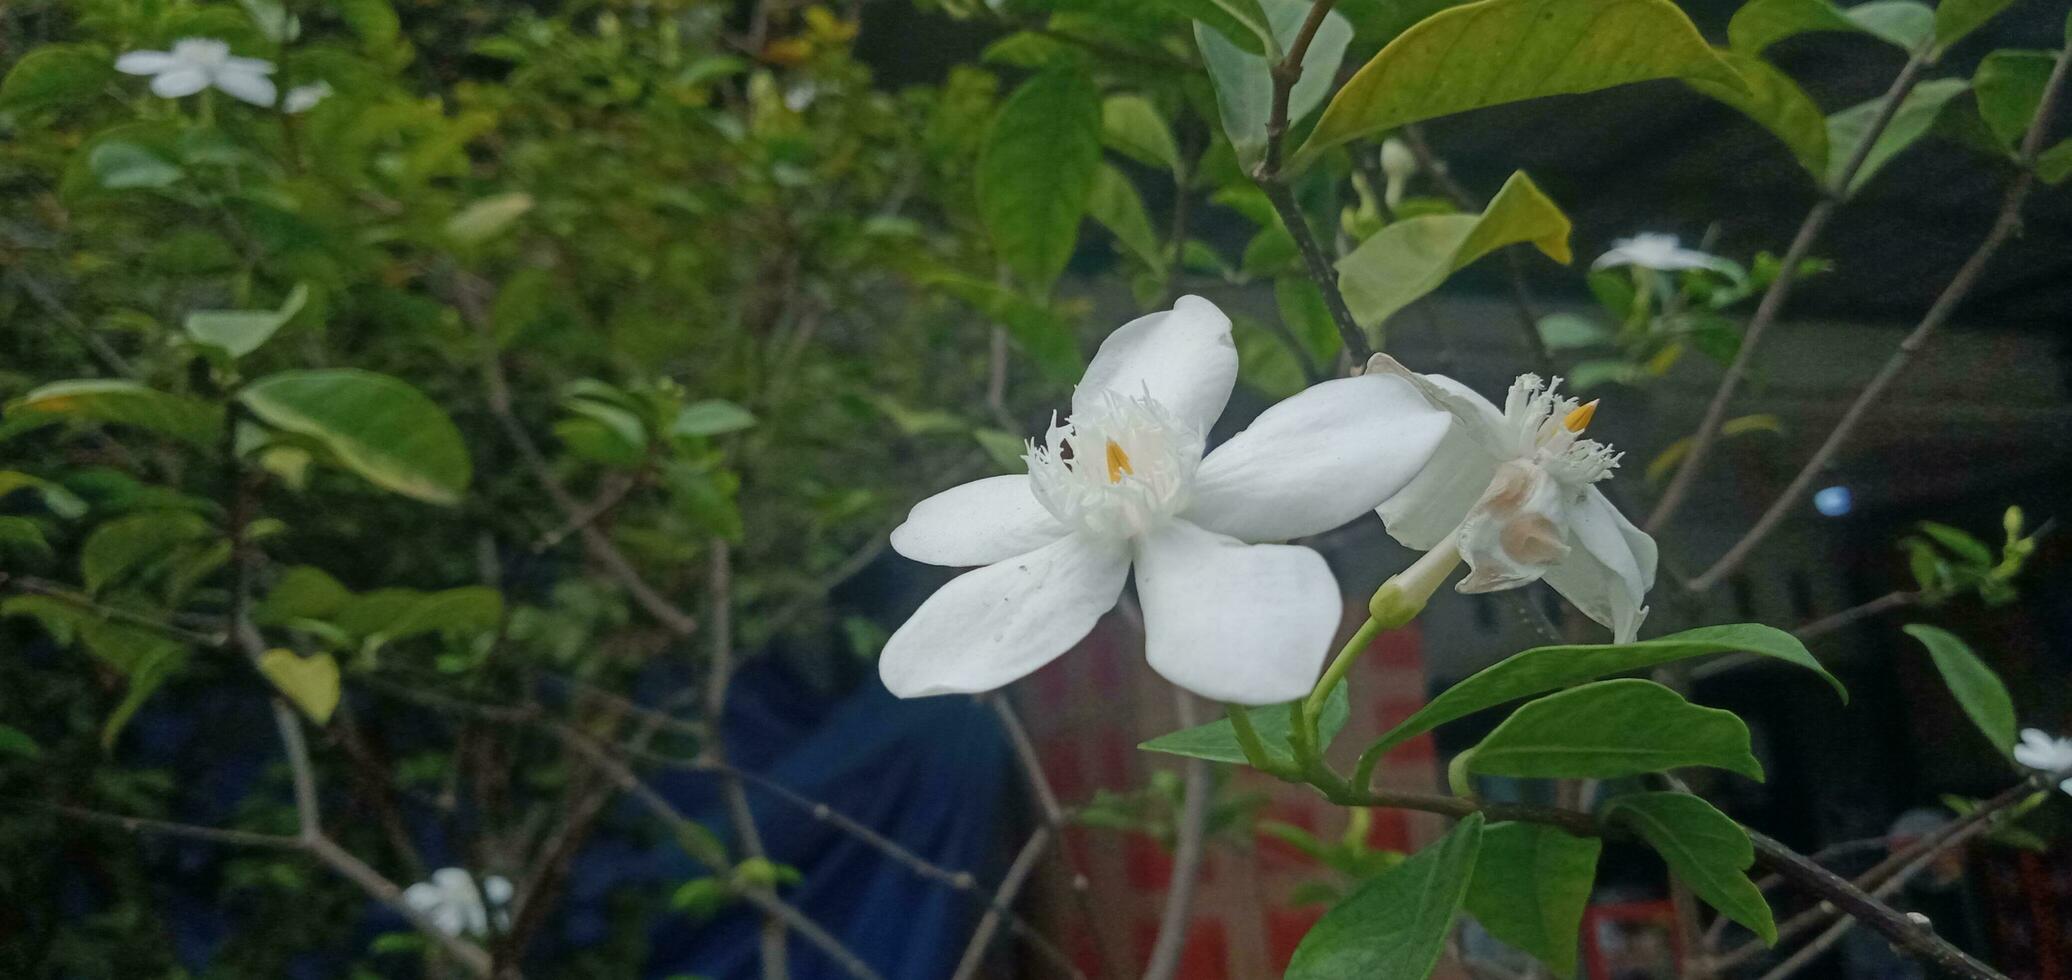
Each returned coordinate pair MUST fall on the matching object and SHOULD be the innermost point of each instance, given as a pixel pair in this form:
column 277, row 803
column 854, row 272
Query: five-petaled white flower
column 456, row 906
column 196, row 63
column 2042, row 752
column 1514, row 491
column 1123, row 481
column 303, row 98
column 1662, row 253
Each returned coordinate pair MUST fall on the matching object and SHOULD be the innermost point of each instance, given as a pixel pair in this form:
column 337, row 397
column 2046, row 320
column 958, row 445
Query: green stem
column 1248, row 740
column 1348, row 655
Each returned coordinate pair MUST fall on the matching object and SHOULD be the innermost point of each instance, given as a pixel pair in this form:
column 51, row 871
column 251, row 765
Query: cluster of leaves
column 1948, row 562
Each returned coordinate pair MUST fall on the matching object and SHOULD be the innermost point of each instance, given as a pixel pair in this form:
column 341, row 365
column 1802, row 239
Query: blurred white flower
column 456, row 907
column 303, row 98
column 1123, row 481
column 196, row 63
column 1399, row 164
column 1514, row 491
column 2042, row 752
column 1663, row 254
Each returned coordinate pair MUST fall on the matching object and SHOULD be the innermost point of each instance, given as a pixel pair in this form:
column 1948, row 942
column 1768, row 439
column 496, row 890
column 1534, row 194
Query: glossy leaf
column 1116, row 205
column 1611, row 729
column 22, row 538
column 1705, row 850
column 1545, row 669
column 1394, row 925
column 1412, row 257
column 487, row 218
column 55, row 74
column 120, row 165
column 1244, row 80
column 377, row 426
column 1037, row 170
column 1496, row 51
column 1217, row 740
column 1955, row 19
column 1773, row 101
column 1761, row 23
column 118, row 546
column 1847, row 128
column 119, row 402
column 396, row 614
column 1131, row 126
column 711, row 417
column 1531, row 884
column 310, row 683
column 240, row 332
column 1978, row 690
column 303, row 592
column 2008, row 85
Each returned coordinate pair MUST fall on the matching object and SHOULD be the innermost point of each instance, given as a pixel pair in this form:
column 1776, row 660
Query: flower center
column 1547, row 428
column 1141, row 476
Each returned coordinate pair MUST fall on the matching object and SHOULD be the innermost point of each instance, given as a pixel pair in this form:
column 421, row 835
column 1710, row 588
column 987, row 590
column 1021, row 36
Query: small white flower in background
column 1123, row 481
column 456, row 907
column 2042, row 752
column 196, row 63
column 1661, row 253
column 1515, row 492
column 1399, row 164
column 303, row 98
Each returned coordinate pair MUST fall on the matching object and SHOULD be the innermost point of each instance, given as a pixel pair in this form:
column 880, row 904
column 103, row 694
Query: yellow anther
column 1579, row 419
column 1118, row 462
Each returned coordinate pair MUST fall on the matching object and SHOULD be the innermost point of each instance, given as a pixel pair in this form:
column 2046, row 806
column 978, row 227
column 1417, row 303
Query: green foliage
column 1495, row 51
column 374, row 425
column 239, row 332
column 1412, row 257
column 124, row 403
column 1761, row 23
column 1244, row 82
column 1396, row 924
column 1039, row 167
column 1917, row 114
column 1217, row 741
column 2009, row 84
column 1610, row 729
column 1705, row 849
column 1955, row 19
column 1775, row 102
column 1948, row 561
column 1978, row 690
column 1530, row 887
column 310, row 683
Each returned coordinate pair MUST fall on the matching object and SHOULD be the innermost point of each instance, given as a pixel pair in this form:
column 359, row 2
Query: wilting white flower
column 1514, row 491
column 2042, row 752
column 1661, row 253
column 1123, row 481
column 196, row 63
column 456, row 907
column 303, row 98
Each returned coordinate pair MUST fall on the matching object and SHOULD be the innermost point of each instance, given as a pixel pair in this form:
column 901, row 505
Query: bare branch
column 1179, row 900
column 1854, row 902
column 719, row 675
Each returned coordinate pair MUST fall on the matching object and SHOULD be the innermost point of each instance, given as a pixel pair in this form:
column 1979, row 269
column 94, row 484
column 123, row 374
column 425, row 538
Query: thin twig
column 2004, row 226
column 1779, row 290
column 1885, row 603
column 1179, row 899
column 1853, row 901
column 719, row 678
column 1010, row 888
column 1054, row 816
column 144, row 825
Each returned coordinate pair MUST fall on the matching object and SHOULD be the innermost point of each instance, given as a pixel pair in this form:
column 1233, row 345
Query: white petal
column 246, row 85
column 179, row 81
column 144, row 62
column 303, row 98
column 251, row 66
column 978, row 523
column 1239, row 623
column 990, row 627
column 498, row 888
column 1516, row 531
column 1480, row 417
column 424, row 897
column 1433, row 504
column 1183, row 356
column 1611, row 568
column 1318, row 460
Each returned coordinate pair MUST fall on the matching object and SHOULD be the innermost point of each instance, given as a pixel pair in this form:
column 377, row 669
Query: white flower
column 1514, row 491
column 196, row 63
column 456, row 907
column 1124, row 482
column 2044, row 753
column 303, row 98
column 1399, row 164
column 1661, row 253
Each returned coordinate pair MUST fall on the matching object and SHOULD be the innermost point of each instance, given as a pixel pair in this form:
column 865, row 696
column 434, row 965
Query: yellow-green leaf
column 1761, row 23
column 1131, row 126
column 310, row 683
column 1244, row 80
column 1410, row 258
column 119, row 402
column 1116, row 205
column 1847, row 128
column 484, row 219
column 1496, row 51
column 377, row 426
column 1037, row 170
column 1954, row 19
column 2009, row 85
column 1773, row 101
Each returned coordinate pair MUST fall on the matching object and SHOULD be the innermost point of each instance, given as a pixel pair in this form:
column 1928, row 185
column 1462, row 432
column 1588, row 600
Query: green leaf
column 1704, row 848
column 240, row 332
column 303, row 592
column 118, row 402
column 1037, row 170
column 55, row 74
column 1571, row 331
column 121, row 165
column 483, row 220
column 1531, row 884
column 373, row 20
column 1131, row 126
column 1233, row 18
column 56, row 499
column 1773, row 101
column 149, row 672
column 1410, row 258
column 711, row 417
column 1959, row 542
column 1846, row 129
column 1496, row 51
column 1552, row 668
column 1303, row 311
column 311, row 683
column 1217, row 740
column 1611, row 729
column 14, row 741
column 22, row 538
column 1395, row 924
column 377, row 426
column 2009, row 84
column 1244, row 80
column 1761, row 23
column 118, row 546
column 396, row 614
column 2055, row 164
column 1955, row 19
column 1115, row 204
column 1004, row 448
column 1976, row 687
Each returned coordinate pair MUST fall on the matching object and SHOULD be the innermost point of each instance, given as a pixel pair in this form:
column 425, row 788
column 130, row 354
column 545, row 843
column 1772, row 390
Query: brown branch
column 1779, row 290
column 1854, row 902
column 146, row 825
column 718, row 677
column 1885, row 603
column 2004, row 227
column 1017, row 875
column 1187, row 857
column 1054, row 816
